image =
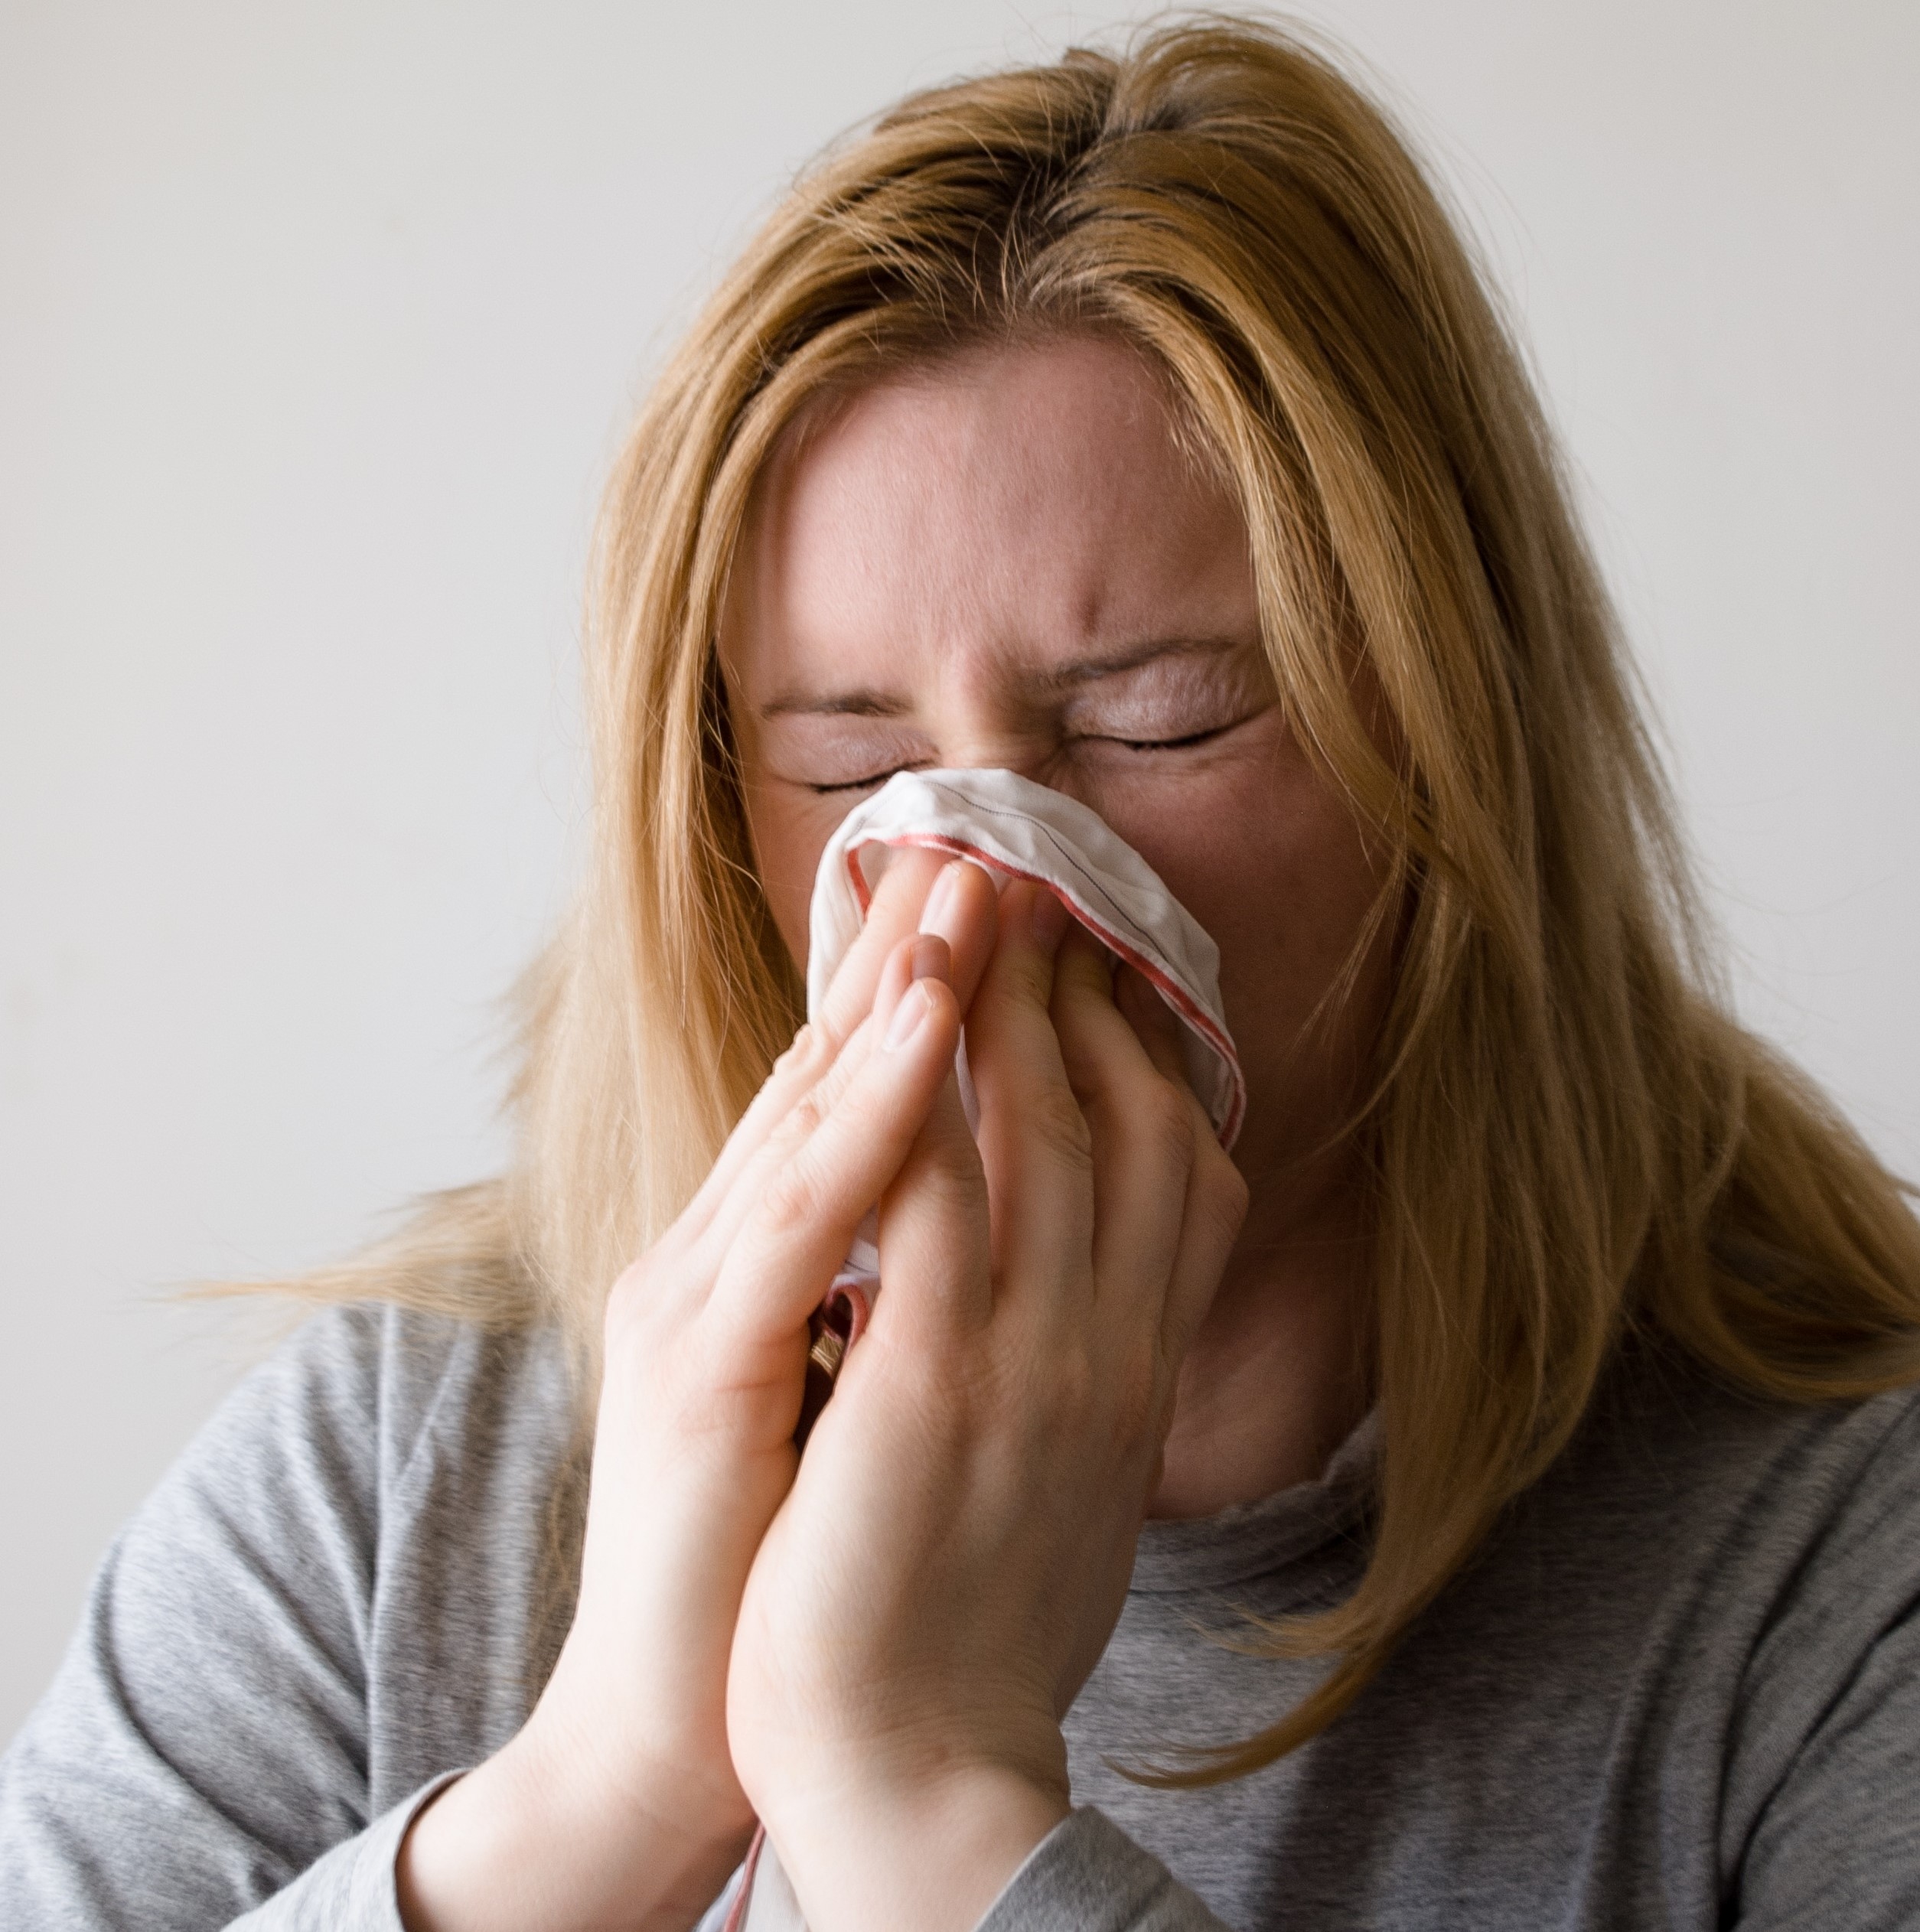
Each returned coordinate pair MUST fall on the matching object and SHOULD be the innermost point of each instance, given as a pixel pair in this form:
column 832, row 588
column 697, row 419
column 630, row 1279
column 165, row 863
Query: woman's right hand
column 617, row 1805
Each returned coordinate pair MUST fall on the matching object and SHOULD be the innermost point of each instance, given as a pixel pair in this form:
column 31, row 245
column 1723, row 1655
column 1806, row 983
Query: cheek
column 788, row 838
column 1267, row 858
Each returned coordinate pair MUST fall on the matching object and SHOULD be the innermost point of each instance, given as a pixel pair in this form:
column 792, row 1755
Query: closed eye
column 858, row 784
column 1124, row 744
column 1168, row 743
column 1182, row 744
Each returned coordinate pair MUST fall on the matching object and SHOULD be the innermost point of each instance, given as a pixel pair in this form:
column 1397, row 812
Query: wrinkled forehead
column 1025, row 501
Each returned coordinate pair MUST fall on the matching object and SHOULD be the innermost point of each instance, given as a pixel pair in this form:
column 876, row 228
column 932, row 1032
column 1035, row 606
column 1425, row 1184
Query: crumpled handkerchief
column 1014, row 829
column 1018, row 829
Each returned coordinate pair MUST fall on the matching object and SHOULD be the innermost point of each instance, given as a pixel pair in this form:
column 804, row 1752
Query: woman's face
column 1003, row 558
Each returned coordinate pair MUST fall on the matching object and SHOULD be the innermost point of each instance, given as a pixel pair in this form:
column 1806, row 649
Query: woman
column 1480, row 1501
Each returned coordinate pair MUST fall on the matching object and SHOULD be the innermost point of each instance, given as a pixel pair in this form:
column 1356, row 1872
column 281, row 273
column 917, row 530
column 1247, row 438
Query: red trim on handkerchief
column 743, row 1899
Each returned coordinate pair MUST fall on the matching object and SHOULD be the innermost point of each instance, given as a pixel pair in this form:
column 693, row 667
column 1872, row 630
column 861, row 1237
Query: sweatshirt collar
column 1251, row 1539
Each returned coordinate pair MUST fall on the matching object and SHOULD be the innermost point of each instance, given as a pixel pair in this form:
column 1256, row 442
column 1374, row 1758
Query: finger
column 850, row 996
column 741, row 1176
column 796, row 1072
column 793, row 1239
column 1215, row 1204
column 935, row 1240
column 1214, row 1210
column 1152, row 1020
column 964, row 908
column 1143, row 1146
column 892, row 916
column 1034, row 1144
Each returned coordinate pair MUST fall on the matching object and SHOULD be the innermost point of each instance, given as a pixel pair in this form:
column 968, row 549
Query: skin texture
column 1004, row 559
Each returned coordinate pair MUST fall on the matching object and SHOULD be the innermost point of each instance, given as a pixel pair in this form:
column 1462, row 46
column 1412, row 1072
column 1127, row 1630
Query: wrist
column 932, row 1851
column 521, row 1843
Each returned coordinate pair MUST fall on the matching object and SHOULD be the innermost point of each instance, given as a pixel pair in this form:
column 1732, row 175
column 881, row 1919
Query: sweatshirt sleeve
column 200, row 1758
column 1840, row 1845
column 1822, row 1798
column 1088, row 1875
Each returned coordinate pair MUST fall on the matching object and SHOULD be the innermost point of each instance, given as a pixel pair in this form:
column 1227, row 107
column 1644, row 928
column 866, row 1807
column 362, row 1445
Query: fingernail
column 1047, row 918
column 915, row 1004
column 929, row 958
column 940, row 900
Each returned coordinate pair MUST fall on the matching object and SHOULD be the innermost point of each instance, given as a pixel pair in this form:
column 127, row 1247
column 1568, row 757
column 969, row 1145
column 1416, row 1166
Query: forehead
column 1029, row 500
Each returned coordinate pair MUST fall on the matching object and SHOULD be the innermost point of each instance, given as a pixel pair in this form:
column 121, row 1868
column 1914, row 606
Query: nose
column 1029, row 760
column 1045, row 764
column 1030, row 748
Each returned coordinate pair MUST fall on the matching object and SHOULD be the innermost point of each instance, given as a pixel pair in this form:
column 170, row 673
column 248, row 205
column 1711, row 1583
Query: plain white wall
column 317, row 325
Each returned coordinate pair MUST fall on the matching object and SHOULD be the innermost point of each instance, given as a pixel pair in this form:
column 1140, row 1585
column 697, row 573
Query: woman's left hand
column 955, row 1550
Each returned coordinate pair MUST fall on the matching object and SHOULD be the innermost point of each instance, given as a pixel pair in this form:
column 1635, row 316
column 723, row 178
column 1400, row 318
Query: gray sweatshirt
column 1681, row 1688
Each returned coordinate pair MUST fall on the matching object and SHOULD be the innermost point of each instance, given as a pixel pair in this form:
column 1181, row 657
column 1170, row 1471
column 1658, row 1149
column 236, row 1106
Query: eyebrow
column 861, row 703
column 864, row 702
column 1089, row 670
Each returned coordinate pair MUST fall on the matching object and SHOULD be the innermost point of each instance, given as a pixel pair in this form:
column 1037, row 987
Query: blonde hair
column 1570, row 1139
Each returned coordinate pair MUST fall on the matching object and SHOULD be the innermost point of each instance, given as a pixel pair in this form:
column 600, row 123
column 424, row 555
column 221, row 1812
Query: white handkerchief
column 1015, row 829
column 1018, row 829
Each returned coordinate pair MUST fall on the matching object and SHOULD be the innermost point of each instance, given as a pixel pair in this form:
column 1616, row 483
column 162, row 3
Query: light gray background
column 318, row 324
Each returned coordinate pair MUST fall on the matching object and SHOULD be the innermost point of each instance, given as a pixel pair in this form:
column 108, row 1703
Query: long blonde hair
column 1570, row 1138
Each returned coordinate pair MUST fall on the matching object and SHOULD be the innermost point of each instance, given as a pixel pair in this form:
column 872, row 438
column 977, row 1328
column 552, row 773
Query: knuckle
column 1036, row 975
column 1134, row 1400
column 804, row 1117
column 861, row 1105
column 1169, row 1120
column 1058, row 1122
column 853, row 1114
column 1071, row 1387
column 798, row 1049
column 1180, row 1325
column 791, row 1200
column 1080, row 967
column 1225, row 1191
column 951, row 1191
column 824, row 1047
column 1024, row 977
column 806, row 1058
